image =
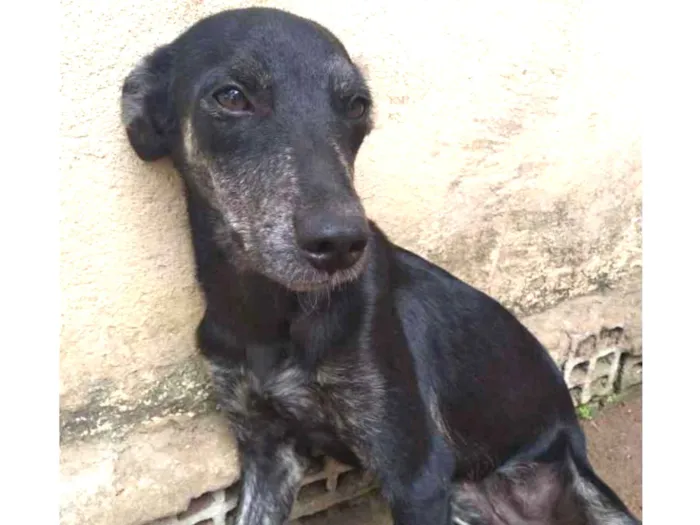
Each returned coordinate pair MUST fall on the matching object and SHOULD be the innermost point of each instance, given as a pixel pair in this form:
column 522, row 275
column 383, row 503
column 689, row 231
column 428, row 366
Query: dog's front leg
column 271, row 476
column 418, row 494
column 396, row 441
column 271, row 467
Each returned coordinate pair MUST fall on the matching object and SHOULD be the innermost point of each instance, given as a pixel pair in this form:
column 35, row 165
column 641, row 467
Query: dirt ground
column 615, row 449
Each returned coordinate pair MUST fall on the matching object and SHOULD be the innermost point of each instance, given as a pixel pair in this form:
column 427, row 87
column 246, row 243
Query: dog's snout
column 332, row 242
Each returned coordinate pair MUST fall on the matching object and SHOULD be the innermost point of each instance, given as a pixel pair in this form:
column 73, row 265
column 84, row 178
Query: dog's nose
column 332, row 242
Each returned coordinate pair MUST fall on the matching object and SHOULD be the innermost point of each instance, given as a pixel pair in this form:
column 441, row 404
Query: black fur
column 382, row 359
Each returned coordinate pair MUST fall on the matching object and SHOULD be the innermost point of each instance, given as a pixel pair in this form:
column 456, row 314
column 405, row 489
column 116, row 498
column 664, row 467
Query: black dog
column 322, row 334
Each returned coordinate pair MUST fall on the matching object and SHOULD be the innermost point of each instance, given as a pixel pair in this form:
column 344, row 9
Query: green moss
column 587, row 411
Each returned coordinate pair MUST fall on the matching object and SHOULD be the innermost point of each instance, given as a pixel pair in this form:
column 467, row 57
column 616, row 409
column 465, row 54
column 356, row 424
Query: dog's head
column 263, row 113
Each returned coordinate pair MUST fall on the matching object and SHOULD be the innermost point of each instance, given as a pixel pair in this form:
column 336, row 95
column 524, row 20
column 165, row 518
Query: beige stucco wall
column 507, row 148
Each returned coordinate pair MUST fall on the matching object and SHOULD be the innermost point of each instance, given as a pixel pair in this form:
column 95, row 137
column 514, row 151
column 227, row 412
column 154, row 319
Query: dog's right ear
column 147, row 110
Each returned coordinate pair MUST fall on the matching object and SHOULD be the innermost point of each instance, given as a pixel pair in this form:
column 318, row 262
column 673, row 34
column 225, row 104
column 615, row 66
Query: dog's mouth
column 310, row 279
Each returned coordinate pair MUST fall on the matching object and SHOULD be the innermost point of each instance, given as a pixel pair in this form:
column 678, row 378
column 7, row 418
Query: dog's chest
column 343, row 397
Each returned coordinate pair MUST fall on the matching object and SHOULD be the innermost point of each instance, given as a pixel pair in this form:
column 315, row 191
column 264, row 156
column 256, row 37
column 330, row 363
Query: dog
column 321, row 334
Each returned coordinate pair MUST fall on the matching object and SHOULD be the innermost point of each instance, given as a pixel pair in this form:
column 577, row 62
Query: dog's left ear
column 147, row 110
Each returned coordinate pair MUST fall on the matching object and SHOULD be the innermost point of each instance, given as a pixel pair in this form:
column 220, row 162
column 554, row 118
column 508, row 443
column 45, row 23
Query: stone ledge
column 155, row 471
column 108, row 412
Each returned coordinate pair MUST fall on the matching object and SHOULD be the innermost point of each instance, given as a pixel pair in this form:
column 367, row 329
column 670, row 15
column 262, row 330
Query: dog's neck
column 257, row 311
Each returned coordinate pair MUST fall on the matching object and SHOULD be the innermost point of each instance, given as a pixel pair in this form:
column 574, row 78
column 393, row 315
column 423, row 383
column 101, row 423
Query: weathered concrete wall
column 507, row 148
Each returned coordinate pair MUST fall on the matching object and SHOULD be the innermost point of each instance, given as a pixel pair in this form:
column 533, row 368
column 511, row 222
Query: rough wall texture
column 507, row 148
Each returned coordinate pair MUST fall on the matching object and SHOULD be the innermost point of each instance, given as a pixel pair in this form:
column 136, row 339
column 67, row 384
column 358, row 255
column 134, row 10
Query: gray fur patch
column 267, row 497
column 436, row 415
column 598, row 508
column 356, row 405
column 233, row 388
column 288, row 390
column 257, row 199
column 352, row 403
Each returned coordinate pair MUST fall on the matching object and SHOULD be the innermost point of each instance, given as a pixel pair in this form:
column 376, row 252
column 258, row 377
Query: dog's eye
column 233, row 99
column 357, row 107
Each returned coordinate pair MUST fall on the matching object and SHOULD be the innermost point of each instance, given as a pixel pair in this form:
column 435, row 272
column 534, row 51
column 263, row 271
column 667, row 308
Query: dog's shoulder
column 422, row 281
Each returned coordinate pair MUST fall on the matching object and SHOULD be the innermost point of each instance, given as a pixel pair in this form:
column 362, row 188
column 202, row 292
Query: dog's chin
column 312, row 280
